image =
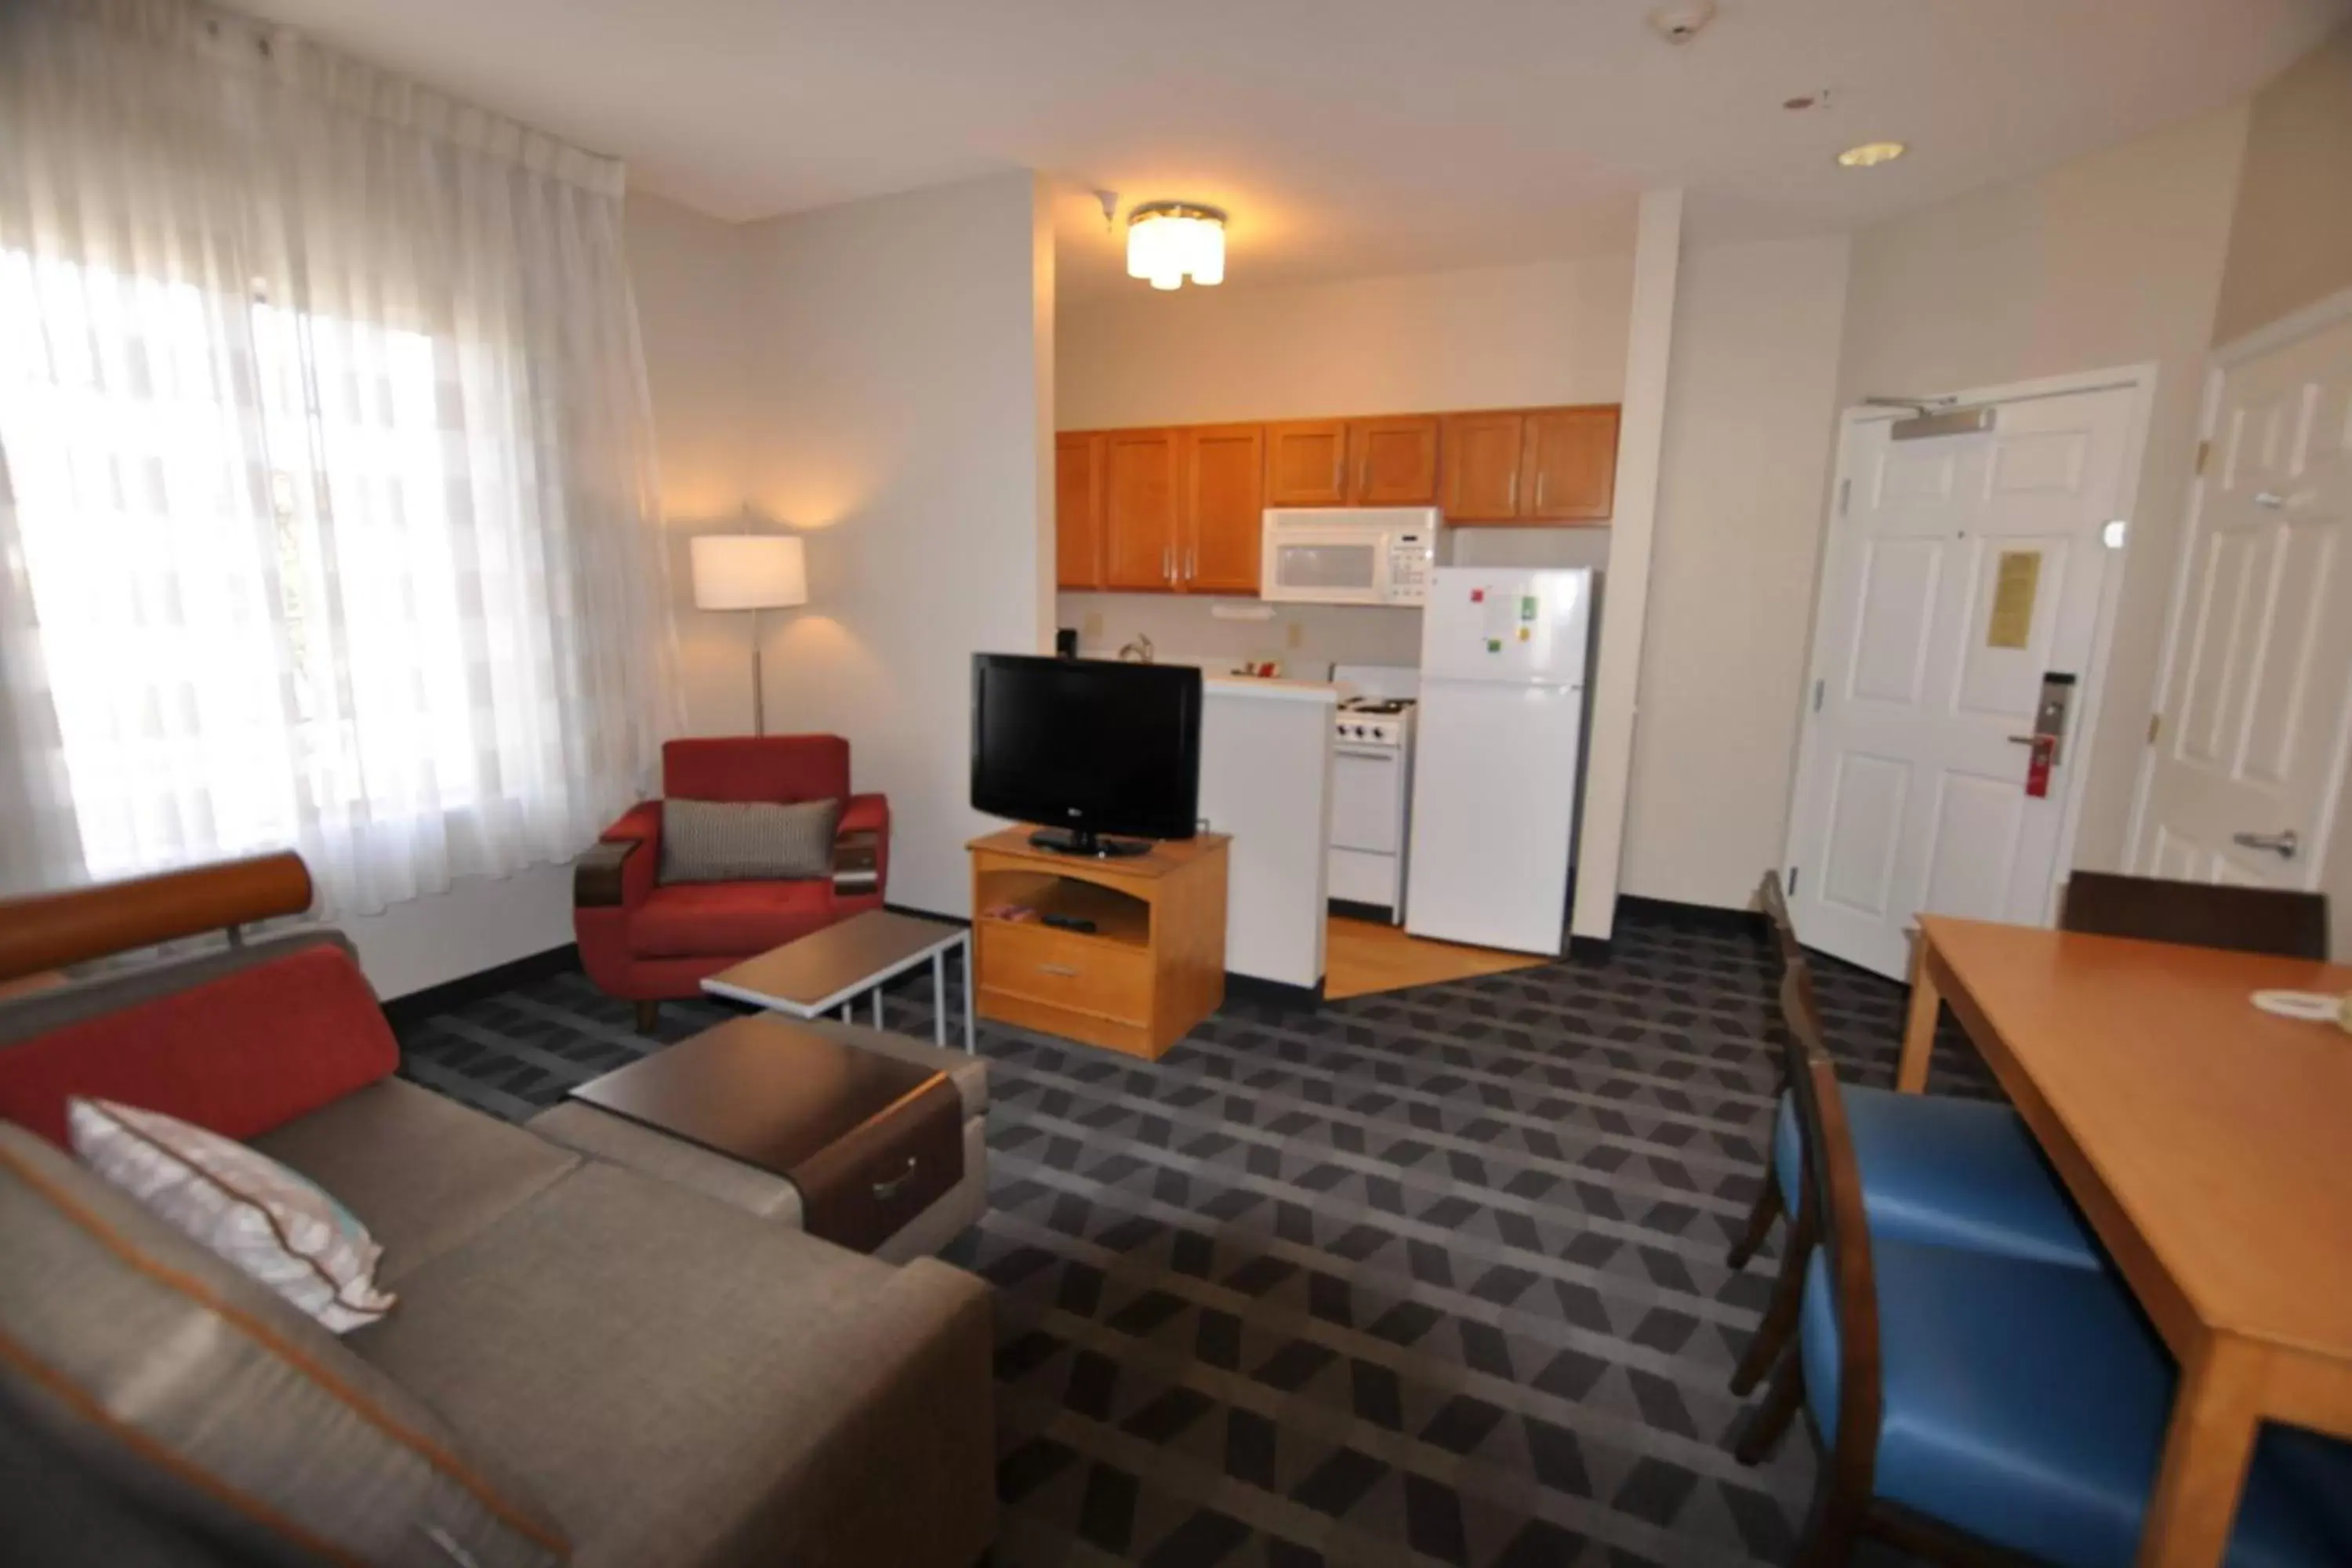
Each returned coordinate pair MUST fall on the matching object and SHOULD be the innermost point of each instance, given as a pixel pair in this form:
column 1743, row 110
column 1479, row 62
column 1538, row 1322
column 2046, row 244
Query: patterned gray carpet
column 1428, row 1277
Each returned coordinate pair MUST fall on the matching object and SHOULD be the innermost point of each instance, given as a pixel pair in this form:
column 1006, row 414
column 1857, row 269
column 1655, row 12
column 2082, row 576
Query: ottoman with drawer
column 869, row 1140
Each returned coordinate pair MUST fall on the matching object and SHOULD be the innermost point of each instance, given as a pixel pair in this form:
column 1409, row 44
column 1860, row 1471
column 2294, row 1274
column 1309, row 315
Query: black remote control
column 1070, row 923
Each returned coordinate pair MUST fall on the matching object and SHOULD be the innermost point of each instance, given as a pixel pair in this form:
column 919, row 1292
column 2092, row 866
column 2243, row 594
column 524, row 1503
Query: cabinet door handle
column 1066, row 971
column 1193, row 564
column 1541, row 476
column 1168, row 561
column 885, row 1191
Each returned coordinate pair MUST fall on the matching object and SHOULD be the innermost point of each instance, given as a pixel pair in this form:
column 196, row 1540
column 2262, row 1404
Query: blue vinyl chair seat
column 2026, row 1404
column 1951, row 1173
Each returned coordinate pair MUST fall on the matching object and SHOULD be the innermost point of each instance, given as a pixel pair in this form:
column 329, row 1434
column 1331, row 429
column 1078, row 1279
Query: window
column 241, row 531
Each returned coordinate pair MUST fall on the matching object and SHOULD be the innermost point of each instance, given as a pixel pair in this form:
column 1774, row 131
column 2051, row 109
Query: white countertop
column 1320, row 691
column 1213, row 677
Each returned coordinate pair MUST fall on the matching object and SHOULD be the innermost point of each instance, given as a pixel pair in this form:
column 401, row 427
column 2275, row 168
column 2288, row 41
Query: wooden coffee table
column 832, row 968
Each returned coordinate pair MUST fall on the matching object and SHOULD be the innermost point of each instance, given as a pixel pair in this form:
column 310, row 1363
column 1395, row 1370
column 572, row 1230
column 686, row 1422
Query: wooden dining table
column 2209, row 1144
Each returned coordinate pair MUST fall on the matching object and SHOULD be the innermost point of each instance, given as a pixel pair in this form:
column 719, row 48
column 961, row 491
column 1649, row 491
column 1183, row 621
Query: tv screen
column 1091, row 745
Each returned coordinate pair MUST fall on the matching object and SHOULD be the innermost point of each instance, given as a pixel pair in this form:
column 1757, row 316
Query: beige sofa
column 662, row 1363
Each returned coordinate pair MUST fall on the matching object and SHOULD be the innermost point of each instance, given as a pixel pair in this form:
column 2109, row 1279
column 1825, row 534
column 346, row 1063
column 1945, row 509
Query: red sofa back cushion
column 782, row 768
column 241, row 1054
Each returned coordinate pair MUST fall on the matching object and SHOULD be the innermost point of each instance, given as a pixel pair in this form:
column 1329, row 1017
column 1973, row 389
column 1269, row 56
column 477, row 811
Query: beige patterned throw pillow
column 285, row 1231
column 743, row 841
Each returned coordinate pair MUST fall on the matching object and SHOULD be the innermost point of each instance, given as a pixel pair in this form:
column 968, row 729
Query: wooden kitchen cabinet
column 1138, row 509
column 1481, row 456
column 1530, row 466
column 1392, row 462
column 1181, row 510
column 1307, row 463
column 1078, row 510
column 1569, row 465
column 1221, row 510
column 1388, row 461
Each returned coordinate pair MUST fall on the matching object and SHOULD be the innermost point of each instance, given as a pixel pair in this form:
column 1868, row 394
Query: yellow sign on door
column 2014, row 585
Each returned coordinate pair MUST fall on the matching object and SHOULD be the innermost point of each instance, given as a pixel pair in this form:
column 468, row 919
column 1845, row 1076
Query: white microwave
column 1349, row 555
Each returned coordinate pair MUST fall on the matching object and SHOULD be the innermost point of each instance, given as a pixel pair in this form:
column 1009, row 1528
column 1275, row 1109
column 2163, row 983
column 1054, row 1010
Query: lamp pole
column 759, row 697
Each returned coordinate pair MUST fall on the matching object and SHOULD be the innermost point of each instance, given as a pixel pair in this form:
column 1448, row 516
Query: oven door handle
column 1369, row 754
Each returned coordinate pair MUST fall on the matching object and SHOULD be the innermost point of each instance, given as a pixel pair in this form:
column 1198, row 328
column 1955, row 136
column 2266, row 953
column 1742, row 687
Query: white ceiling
column 1344, row 136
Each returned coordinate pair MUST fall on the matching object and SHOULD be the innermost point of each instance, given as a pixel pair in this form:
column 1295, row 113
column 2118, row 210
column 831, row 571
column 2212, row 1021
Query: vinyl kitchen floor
column 1362, row 957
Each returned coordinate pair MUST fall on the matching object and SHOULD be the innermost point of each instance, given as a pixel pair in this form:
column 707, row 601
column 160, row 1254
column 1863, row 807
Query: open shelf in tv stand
column 1153, row 966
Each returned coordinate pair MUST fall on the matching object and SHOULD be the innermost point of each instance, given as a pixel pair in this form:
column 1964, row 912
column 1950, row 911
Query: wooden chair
column 1976, row 1408
column 1949, row 1173
column 2200, row 914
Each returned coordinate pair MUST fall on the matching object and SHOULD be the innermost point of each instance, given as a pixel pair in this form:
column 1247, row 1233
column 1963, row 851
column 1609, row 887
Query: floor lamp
column 750, row 572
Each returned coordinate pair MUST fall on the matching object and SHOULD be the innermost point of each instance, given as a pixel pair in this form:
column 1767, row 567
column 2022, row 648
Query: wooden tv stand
column 1153, row 966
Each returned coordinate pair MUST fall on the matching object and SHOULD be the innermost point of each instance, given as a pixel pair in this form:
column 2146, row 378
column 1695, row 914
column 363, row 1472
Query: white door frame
column 2314, row 317
column 2140, row 380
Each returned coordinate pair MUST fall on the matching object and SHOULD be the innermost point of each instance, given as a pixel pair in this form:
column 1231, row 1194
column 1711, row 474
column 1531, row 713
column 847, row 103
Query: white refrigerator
column 1501, row 728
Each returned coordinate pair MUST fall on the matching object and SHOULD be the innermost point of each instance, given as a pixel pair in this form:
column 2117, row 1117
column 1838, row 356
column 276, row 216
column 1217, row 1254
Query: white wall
column 2112, row 259
column 690, row 278
column 2291, row 235
column 1613, row 683
column 479, row 923
column 1751, row 406
column 900, row 363
column 1488, row 338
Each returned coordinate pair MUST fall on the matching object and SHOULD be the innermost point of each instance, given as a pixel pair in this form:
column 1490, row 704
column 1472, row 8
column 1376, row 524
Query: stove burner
column 1377, row 705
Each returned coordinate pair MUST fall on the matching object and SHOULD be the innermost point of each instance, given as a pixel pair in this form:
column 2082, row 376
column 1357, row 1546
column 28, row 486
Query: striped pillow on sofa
column 745, row 841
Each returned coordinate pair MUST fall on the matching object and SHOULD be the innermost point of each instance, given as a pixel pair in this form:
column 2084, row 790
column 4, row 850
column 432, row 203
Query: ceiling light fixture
column 1168, row 242
column 1869, row 155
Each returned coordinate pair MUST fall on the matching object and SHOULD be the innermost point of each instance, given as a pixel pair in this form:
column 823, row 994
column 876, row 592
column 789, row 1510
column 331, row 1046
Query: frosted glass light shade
column 1168, row 242
column 749, row 572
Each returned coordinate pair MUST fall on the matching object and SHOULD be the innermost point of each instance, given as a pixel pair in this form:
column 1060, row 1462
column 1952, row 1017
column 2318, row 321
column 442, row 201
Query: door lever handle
column 2283, row 844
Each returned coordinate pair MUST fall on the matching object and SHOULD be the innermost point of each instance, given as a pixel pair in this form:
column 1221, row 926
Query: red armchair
column 646, row 941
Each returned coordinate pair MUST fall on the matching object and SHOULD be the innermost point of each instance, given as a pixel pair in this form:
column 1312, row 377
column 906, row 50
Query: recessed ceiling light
column 1869, row 155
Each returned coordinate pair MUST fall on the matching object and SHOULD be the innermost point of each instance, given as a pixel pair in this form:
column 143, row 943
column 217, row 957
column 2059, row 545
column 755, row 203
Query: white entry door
column 2250, row 751
column 1961, row 570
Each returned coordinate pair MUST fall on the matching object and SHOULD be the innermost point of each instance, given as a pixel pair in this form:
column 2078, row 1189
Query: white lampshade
column 1170, row 241
column 749, row 572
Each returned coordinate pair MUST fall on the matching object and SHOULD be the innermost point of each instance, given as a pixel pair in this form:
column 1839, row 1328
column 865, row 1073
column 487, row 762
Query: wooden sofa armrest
column 857, row 862
column 599, row 877
column 43, row 931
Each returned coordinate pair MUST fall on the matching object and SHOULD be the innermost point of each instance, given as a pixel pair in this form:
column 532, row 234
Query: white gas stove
column 1371, row 788
column 1375, row 722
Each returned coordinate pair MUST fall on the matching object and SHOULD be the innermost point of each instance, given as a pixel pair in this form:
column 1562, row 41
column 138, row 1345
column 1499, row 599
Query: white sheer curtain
column 334, row 516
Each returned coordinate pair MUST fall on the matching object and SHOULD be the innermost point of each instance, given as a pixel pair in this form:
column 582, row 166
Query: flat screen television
column 1086, row 747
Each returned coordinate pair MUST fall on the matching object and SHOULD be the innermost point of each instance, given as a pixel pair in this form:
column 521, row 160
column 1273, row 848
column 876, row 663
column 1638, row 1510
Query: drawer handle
column 1061, row 969
column 885, row 1191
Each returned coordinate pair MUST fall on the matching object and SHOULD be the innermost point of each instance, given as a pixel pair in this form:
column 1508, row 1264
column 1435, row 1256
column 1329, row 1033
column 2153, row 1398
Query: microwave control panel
column 1410, row 558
